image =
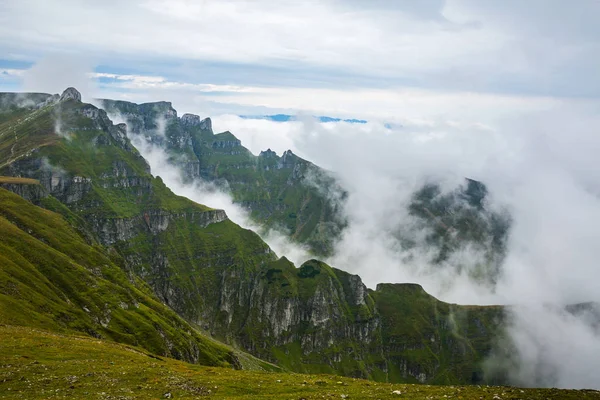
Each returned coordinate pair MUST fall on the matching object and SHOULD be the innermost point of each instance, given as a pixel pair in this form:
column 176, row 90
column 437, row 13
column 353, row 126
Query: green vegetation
column 116, row 255
column 36, row 364
column 19, row 181
column 286, row 193
column 433, row 338
column 51, row 278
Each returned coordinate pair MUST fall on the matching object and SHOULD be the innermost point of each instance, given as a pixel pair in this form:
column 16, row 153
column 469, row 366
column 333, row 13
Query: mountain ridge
column 286, row 193
column 224, row 279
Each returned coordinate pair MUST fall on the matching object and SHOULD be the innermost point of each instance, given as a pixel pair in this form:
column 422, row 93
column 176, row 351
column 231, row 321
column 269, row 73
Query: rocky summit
column 93, row 245
column 287, row 193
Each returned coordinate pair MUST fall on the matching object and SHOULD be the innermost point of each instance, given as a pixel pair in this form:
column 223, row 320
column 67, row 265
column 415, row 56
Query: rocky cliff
column 460, row 220
column 218, row 276
column 286, row 193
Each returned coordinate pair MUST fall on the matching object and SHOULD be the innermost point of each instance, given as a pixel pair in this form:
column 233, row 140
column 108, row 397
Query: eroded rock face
column 314, row 312
column 190, row 120
column 206, row 124
column 70, row 94
column 113, row 230
column 32, row 193
column 310, row 319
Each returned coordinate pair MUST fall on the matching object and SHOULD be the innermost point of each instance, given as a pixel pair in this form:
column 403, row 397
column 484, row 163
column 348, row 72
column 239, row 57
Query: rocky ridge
column 286, row 193
column 226, row 279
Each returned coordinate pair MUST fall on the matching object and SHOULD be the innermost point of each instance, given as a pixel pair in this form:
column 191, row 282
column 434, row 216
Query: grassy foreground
column 20, row 181
column 36, row 364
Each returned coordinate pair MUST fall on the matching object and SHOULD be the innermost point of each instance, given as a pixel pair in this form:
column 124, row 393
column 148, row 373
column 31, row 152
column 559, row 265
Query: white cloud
column 161, row 83
column 540, row 165
column 542, row 172
column 57, row 72
column 457, row 44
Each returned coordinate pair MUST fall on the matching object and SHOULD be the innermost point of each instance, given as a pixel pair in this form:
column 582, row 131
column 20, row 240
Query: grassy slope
column 277, row 197
column 36, row 364
column 20, row 181
column 51, row 278
column 89, row 152
column 200, row 261
column 444, row 340
column 280, row 198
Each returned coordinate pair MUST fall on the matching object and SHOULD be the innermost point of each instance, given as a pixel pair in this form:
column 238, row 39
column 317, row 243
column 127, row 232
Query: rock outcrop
column 70, row 94
column 190, row 120
column 225, row 278
column 287, row 193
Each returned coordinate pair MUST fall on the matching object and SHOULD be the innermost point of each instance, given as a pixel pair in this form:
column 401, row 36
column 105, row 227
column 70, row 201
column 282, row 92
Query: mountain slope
column 37, row 364
column 221, row 277
column 306, row 202
column 456, row 220
column 287, row 192
column 51, row 278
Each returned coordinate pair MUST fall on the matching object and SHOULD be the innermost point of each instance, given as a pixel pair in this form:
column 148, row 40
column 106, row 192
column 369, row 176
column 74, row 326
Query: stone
column 70, row 94
column 190, row 120
column 206, row 124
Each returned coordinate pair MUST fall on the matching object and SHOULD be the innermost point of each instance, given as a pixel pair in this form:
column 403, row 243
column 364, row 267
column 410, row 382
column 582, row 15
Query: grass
column 37, row 364
column 19, row 181
column 282, row 198
column 51, row 278
column 55, row 275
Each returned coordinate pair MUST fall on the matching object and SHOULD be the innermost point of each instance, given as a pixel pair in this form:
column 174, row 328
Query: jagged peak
column 70, row 93
column 190, row 119
column 475, row 192
column 287, row 156
column 206, row 124
column 268, row 153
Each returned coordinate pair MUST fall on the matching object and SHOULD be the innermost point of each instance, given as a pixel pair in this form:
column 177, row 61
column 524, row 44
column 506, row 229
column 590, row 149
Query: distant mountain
column 457, row 220
column 287, row 118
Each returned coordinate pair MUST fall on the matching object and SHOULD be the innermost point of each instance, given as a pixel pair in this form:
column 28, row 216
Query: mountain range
column 93, row 243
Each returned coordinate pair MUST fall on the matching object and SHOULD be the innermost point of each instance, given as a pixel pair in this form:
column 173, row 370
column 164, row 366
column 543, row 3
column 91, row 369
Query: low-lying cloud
column 209, row 194
column 541, row 168
column 541, row 173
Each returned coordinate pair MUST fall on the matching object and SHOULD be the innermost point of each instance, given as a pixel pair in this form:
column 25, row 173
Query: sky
column 359, row 59
column 506, row 92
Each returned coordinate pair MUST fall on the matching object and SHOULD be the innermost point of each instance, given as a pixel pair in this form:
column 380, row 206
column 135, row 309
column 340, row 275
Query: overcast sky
column 370, row 59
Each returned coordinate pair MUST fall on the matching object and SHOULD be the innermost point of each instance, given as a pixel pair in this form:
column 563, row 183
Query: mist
column 540, row 167
column 209, row 194
column 57, row 71
column 541, row 173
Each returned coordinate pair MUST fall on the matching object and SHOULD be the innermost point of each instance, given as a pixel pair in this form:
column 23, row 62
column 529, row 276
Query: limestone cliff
column 221, row 277
column 286, row 193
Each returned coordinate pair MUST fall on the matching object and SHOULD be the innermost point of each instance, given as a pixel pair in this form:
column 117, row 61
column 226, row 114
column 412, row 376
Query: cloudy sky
column 374, row 59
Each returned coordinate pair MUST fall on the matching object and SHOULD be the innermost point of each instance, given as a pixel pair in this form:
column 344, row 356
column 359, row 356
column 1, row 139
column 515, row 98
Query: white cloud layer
column 540, row 166
column 537, row 47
